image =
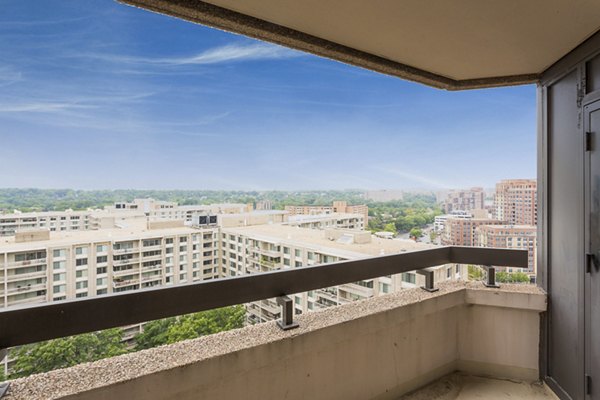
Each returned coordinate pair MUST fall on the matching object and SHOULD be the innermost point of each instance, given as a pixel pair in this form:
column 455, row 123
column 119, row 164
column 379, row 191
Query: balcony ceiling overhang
column 450, row 44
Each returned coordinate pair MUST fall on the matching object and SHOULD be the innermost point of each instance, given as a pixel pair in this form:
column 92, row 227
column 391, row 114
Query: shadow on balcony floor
column 459, row 386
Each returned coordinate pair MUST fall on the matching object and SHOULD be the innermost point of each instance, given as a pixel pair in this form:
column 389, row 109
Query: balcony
column 20, row 277
column 413, row 336
column 27, row 263
column 126, row 251
column 126, row 261
column 380, row 348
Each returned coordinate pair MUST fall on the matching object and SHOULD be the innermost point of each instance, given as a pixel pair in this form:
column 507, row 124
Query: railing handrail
column 28, row 324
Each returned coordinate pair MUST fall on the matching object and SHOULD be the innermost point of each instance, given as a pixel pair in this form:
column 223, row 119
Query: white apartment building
column 50, row 266
column 439, row 222
column 66, row 221
column 328, row 221
column 254, row 249
column 156, row 209
column 121, row 214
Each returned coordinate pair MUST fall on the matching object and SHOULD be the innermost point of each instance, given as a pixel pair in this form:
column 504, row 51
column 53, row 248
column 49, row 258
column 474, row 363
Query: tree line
column 66, row 352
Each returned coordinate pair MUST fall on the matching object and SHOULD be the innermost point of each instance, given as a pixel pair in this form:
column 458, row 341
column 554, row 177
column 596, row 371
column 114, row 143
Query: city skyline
column 105, row 96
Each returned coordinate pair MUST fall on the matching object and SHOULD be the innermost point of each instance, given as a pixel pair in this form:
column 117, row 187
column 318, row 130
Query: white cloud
column 412, row 177
column 39, row 107
column 217, row 55
column 8, row 76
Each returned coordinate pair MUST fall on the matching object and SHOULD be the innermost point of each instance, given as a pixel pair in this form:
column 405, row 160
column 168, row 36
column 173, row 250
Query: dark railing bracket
column 4, row 388
column 429, row 279
column 3, row 385
column 490, row 280
column 287, row 313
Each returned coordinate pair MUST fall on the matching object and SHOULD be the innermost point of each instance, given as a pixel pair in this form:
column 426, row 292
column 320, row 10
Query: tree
column 432, row 236
column 172, row 330
column 154, row 334
column 66, row 352
column 415, row 233
column 2, row 375
column 515, row 277
column 390, row 228
column 475, row 273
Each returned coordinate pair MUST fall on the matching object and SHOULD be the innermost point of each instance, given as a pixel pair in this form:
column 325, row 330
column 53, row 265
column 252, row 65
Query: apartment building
column 328, row 221
column 439, row 222
column 337, row 207
column 464, row 200
column 459, row 231
column 69, row 220
column 263, row 205
column 156, row 209
column 49, row 266
column 515, row 201
column 263, row 248
column 520, row 237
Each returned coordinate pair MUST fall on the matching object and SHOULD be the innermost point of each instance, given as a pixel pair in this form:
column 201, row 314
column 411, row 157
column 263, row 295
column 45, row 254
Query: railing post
column 3, row 385
column 287, row 313
column 490, row 280
column 429, row 279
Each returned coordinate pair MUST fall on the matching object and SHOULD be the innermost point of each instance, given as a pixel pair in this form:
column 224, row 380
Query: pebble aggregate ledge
column 80, row 378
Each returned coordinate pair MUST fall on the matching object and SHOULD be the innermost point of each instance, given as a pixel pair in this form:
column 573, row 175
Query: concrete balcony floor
column 460, row 386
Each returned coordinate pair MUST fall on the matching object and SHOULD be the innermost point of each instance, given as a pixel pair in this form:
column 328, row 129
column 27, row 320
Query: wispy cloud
column 224, row 54
column 40, row 107
column 8, row 76
column 411, row 177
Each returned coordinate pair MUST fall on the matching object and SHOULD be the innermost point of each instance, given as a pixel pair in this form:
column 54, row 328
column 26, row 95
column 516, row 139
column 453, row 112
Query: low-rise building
column 337, row 207
column 328, row 221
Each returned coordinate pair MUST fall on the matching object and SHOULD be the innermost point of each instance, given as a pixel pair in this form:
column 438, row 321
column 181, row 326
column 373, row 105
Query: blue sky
column 98, row 95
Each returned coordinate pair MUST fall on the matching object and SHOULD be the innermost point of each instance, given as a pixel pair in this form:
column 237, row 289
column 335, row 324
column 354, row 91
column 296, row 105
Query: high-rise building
column 464, row 200
column 521, row 237
column 515, row 201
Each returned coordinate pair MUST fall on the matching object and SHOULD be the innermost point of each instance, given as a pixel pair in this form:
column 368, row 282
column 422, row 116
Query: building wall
column 465, row 200
column 247, row 254
column 510, row 237
column 51, row 270
column 337, row 207
column 515, row 201
column 565, row 90
column 461, row 231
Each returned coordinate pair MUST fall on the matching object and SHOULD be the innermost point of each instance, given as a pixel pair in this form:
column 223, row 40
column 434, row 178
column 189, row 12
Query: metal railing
column 29, row 324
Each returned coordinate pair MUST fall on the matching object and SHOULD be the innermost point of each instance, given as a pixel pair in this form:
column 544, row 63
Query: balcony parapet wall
column 378, row 348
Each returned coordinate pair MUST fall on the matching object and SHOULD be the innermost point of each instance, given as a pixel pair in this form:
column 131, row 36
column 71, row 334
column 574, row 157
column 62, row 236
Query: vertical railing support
column 429, row 279
column 3, row 385
column 490, row 280
column 287, row 313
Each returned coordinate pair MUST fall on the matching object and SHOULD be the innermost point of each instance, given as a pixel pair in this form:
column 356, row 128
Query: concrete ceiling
column 452, row 44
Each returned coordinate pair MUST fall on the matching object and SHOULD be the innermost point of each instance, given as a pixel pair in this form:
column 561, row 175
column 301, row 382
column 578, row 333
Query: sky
column 95, row 94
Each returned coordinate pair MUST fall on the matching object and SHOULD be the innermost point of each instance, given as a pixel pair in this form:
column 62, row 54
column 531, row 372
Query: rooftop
column 67, row 238
column 316, row 239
